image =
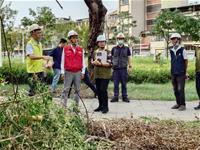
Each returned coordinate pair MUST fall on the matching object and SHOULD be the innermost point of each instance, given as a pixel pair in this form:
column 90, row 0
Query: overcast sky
column 77, row 9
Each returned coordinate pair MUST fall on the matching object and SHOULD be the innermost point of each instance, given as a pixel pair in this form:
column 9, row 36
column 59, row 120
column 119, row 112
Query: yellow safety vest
column 35, row 66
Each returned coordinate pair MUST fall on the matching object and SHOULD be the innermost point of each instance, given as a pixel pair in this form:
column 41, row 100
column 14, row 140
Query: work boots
column 114, row 99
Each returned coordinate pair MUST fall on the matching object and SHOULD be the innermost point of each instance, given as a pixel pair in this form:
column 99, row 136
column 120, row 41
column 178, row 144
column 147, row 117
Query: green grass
column 145, row 91
column 149, row 91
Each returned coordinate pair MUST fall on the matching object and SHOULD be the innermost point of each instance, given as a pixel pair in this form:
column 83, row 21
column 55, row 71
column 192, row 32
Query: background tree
column 190, row 28
column 7, row 16
column 83, row 32
column 174, row 21
column 26, row 21
column 166, row 23
column 42, row 16
column 124, row 24
column 97, row 12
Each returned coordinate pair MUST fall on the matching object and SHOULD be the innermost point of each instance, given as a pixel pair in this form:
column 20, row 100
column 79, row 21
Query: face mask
column 120, row 42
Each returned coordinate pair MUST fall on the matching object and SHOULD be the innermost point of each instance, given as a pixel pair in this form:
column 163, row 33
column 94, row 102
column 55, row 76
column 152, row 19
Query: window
column 154, row 8
column 150, row 22
column 124, row 2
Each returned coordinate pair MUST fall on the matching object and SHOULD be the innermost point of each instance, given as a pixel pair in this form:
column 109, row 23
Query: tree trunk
column 97, row 12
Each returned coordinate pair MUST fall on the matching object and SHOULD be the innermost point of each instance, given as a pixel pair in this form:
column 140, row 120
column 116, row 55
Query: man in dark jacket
column 57, row 56
column 121, row 61
column 179, row 64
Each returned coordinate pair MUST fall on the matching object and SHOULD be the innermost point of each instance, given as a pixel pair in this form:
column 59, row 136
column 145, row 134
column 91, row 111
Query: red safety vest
column 73, row 60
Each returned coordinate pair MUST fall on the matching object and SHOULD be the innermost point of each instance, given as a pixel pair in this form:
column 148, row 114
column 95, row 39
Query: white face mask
column 120, row 42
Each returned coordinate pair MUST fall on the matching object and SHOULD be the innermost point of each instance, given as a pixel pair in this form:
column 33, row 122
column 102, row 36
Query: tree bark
column 97, row 12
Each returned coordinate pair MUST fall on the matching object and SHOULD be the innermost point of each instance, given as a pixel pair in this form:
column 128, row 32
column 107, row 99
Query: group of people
column 68, row 59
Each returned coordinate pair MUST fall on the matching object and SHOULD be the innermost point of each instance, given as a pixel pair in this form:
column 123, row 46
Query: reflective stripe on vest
column 35, row 66
column 73, row 60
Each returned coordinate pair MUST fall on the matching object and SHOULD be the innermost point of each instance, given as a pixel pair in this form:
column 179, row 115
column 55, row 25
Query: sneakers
column 175, row 106
column 114, row 99
column 182, row 107
column 179, row 107
column 197, row 107
column 125, row 99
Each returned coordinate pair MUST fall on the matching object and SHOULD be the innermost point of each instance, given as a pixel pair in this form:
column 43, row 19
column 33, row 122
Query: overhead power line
column 59, row 4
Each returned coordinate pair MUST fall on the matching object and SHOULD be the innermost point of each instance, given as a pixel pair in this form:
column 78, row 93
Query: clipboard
column 101, row 56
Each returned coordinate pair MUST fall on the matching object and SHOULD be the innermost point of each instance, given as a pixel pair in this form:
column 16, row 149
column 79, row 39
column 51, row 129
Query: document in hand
column 102, row 56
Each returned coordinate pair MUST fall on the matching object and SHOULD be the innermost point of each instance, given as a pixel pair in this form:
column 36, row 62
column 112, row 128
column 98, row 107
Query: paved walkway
column 139, row 108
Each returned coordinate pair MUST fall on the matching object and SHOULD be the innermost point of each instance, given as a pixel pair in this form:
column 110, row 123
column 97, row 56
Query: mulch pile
column 153, row 135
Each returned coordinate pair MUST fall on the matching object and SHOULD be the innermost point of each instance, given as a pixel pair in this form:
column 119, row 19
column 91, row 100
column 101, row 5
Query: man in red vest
column 73, row 66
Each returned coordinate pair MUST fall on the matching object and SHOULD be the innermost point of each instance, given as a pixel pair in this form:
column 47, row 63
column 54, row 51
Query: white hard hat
column 101, row 38
column 175, row 35
column 34, row 27
column 120, row 36
column 72, row 33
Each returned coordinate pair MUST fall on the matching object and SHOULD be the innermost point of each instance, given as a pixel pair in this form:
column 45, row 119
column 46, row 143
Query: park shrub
column 39, row 123
column 145, row 70
column 18, row 73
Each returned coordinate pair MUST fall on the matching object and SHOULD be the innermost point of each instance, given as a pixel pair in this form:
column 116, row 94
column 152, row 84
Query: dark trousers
column 120, row 76
column 198, row 83
column 178, row 82
column 88, row 82
column 102, row 86
column 34, row 78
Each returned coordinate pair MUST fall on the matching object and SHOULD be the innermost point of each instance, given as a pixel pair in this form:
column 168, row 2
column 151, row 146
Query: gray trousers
column 70, row 77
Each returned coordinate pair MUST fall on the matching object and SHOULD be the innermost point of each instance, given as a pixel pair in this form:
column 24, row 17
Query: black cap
column 63, row 40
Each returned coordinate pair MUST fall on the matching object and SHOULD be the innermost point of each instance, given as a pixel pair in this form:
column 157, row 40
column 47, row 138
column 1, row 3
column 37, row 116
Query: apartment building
column 132, row 6
column 146, row 11
column 111, row 23
column 153, row 8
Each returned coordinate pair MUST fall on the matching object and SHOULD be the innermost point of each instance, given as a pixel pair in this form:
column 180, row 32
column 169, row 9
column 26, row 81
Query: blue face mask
column 120, row 42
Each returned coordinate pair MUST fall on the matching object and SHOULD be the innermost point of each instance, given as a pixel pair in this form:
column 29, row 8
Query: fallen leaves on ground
column 155, row 135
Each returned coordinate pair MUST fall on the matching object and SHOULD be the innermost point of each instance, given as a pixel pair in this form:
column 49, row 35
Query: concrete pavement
column 140, row 108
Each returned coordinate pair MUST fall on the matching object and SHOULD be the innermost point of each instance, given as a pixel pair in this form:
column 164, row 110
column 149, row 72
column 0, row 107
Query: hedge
column 144, row 70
